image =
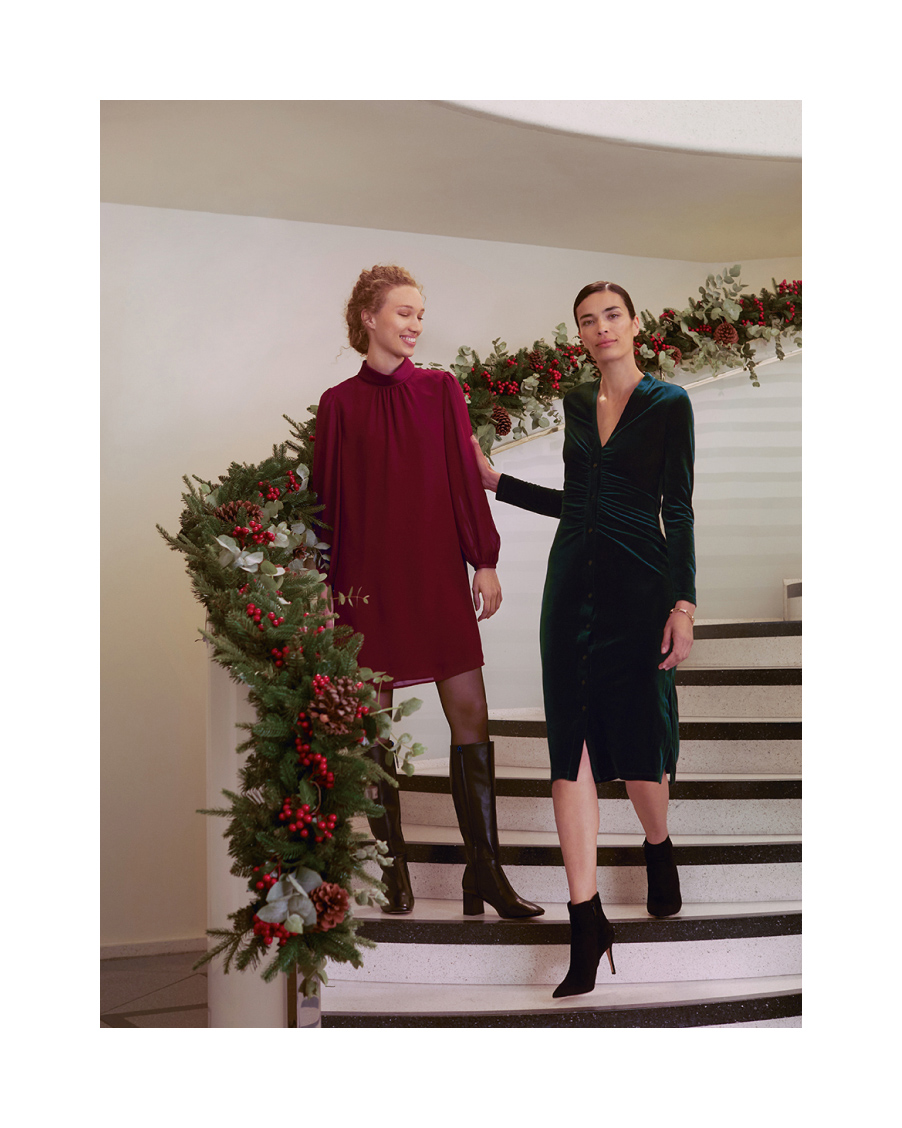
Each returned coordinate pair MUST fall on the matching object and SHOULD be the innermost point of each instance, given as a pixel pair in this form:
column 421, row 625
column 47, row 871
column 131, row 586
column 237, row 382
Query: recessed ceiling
column 467, row 170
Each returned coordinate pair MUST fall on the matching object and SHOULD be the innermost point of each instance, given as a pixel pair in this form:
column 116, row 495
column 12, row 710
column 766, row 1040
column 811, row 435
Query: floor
column 153, row 991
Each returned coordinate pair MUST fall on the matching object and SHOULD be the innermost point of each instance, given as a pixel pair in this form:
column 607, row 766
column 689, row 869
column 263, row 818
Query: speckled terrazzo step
column 721, row 644
column 437, row 944
column 770, row 745
column 712, row 867
column 700, row 804
column 709, row 1002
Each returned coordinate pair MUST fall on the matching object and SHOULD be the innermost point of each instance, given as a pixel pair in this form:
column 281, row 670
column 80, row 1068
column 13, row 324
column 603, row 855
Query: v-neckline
column 605, row 445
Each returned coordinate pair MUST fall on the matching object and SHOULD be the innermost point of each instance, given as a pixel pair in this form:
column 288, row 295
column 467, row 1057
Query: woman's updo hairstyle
column 369, row 294
column 596, row 287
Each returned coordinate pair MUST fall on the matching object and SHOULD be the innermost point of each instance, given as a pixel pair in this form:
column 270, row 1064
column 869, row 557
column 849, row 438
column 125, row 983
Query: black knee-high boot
column 387, row 827
column 591, row 934
column 473, row 791
column 664, row 897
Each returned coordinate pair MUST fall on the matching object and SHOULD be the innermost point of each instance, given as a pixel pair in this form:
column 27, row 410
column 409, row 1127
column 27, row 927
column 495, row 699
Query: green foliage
column 253, row 554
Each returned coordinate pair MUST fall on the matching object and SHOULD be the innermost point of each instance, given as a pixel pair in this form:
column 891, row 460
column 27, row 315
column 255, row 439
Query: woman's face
column 394, row 328
column 605, row 326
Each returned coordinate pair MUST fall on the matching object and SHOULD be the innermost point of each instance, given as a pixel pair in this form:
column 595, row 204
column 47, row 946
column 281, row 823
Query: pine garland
column 717, row 331
column 253, row 555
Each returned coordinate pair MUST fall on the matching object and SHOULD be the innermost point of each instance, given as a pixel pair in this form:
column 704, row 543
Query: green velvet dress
column 613, row 577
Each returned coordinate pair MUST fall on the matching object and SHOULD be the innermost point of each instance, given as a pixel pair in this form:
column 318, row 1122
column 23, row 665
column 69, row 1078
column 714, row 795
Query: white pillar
column 241, row 998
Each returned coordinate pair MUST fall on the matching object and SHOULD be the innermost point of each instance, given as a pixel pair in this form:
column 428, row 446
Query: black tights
column 463, row 703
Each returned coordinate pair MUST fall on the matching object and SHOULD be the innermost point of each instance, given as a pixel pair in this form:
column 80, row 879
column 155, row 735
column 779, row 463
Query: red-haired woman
column 402, row 493
column 617, row 611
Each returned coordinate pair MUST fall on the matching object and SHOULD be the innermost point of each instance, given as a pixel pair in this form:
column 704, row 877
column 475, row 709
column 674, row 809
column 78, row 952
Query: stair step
column 712, row 867
column 745, row 644
column 684, row 1004
column 699, row 805
column 726, row 744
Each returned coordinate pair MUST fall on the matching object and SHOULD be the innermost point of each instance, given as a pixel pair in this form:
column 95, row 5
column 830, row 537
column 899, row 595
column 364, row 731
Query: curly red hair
column 369, row 293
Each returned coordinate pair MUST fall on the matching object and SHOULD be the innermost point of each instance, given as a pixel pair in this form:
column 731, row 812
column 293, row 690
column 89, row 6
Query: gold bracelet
column 685, row 612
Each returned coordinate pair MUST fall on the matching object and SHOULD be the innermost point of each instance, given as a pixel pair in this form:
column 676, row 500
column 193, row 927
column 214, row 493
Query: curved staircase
column 733, row 955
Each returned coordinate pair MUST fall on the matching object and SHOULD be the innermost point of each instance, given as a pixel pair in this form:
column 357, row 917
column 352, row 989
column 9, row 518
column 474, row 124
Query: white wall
column 212, row 327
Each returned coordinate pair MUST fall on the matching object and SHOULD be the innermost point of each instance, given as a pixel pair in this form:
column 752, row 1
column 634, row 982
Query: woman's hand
column 486, row 473
column 486, row 588
column 677, row 639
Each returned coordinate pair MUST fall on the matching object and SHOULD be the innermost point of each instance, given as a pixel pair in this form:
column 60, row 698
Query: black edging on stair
column 495, row 931
column 681, row 789
column 705, row 1012
column 779, row 628
column 721, row 854
column 715, row 729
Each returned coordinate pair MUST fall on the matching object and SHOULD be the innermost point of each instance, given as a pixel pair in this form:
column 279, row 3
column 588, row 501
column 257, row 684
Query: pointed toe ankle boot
column 663, row 879
column 387, row 828
column 591, row 936
column 473, row 791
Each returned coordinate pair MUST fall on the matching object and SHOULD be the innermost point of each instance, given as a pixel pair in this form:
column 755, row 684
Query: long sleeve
column 325, row 474
column 676, row 501
column 479, row 539
column 527, row 495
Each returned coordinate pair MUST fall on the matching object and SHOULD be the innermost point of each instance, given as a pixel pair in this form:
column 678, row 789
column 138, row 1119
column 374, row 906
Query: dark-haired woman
column 617, row 611
column 395, row 470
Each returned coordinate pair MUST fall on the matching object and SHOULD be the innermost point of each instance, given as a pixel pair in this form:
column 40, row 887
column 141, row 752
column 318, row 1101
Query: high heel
column 387, row 828
column 664, row 898
column 591, row 934
column 473, row 791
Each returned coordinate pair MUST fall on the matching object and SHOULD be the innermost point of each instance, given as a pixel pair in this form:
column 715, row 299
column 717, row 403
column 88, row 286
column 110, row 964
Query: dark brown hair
column 597, row 287
column 369, row 293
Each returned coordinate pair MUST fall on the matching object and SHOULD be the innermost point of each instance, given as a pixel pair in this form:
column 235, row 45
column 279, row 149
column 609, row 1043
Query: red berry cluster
column 266, row 881
column 790, row 288
column 256, row 532
column 306, row 758
column 269, row 491
column 269, row 932
column 256, row 614
column 281, row 656
column 759, row 305
column 498, row 387
column 302, row 820
column 294, row 486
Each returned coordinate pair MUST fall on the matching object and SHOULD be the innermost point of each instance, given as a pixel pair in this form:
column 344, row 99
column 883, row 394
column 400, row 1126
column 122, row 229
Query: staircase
column 733, row 955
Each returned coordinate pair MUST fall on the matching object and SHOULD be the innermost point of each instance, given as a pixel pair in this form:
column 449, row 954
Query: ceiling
column 547, row 174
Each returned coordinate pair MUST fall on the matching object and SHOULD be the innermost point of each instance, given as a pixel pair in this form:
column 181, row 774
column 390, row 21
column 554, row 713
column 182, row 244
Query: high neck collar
column 403, row 372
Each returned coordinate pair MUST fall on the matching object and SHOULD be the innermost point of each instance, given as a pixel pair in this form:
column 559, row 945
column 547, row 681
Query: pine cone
column 675, row 354
column 334, row 705
column 536, row 359
column 725, row 334
column 239, row 512
column 331, row 904
column 501, row 420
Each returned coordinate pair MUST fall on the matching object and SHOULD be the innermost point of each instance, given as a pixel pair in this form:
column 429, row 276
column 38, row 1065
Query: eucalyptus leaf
column 293, row 923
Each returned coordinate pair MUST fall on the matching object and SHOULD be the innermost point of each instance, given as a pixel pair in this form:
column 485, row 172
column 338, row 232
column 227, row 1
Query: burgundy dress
column 395, row 469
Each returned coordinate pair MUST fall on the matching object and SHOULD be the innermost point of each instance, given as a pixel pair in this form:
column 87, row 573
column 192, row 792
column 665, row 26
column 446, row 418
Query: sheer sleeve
column 676, row 502
column 479, row 539
column 527, row 495
column 325, row 475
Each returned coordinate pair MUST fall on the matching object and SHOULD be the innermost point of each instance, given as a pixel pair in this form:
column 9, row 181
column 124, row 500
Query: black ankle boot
column 473, row 791
column 387, row 827
column 663, row 880
column 591, row 934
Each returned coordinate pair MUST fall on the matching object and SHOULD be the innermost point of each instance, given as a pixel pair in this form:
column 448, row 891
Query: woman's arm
column 514, row 491
column 678, row 520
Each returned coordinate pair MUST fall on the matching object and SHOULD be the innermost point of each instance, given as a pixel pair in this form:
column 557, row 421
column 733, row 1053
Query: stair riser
column 750, row 701
column 724, row 652
column 663, row 962
column 685, row 816
column 776, row 757
column 779, row 881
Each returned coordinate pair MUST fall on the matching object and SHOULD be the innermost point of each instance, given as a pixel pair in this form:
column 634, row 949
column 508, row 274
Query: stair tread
column 348, row 997
column 450, row 835
column 538, row 714
column 433, row 910
column 439, row 768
